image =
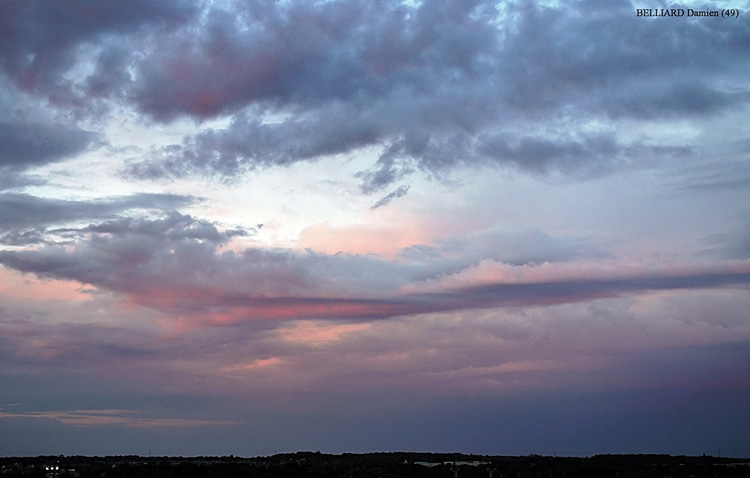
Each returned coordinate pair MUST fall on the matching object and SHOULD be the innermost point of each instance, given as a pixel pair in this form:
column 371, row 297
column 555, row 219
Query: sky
column 496, row 227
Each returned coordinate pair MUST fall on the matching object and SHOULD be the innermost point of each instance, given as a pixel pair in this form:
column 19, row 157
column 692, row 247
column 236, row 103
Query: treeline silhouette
column 376, row 465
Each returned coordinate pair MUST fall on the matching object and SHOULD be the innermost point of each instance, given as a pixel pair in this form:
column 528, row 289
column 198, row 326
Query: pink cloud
column 318, row 332
column 24, row 286
column 491, row 272
column 126, row 418
column 359, row 239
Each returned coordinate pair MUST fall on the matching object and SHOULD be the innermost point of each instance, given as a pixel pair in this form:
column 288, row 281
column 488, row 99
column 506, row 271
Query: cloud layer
column 446, row 222
column 433, row 86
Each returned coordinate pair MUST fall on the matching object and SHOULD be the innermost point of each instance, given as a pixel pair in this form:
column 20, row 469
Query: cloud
column 308, row 54
column 435, row 86
column 587, row 156
column 25, row 218
column 554, row 216
column 674, row 100
column 124, row 418
column 734, row 244
column 395, row 194
column 26, row 145
column 175, row 264
column 249, row 143
column 42, row 42
column 489, row 276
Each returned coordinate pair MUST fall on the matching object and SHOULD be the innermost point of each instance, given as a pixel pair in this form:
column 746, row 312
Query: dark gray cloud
column 429, row 84
column 307, row 55
column 585, row 156
column 567, row 291
column 540, row 154
column 20, row 237
column 41, row 40
column 27, row 219
column 395, row 194
column 25, row 145
column 249, row 143
column 684, row 100
column 602, row 57
column 12, row 179
column 23, row 210
column 435, row 86
column 57, row 63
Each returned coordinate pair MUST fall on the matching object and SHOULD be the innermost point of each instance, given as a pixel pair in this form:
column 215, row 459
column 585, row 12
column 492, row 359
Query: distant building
column 56, row 471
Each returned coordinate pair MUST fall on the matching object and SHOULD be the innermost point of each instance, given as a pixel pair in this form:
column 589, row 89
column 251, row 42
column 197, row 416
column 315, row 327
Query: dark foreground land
column 381, row 465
